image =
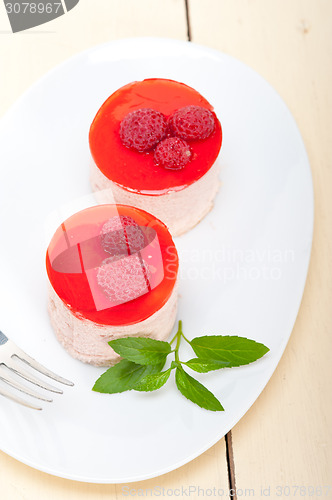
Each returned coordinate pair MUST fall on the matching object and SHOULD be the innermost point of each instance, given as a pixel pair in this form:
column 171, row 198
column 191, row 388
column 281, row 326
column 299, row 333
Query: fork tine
column 23, row 356
column 6, row 377
column 31, row 378
column 11, row 360
column 11, row 396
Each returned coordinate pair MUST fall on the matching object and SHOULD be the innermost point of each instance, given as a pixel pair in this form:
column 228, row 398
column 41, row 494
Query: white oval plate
column 243, row 268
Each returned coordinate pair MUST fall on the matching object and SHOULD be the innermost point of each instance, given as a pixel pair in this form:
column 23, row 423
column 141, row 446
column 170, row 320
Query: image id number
column 302, row 491
column 32, row 8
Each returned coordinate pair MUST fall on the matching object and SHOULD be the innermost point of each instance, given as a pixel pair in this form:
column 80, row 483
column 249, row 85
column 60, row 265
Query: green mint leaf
column 196, row 392
column 140, row 350
column 124, row 376
column 205, row 365
column 235, row 350
column 153, row 382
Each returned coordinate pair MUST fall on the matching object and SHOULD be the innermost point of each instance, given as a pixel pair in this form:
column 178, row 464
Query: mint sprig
column 144, row 351
column 124, row 376
column 153, row 382
column 235, row 351
column 205, row 365
column 144, row 359
column 195, row 391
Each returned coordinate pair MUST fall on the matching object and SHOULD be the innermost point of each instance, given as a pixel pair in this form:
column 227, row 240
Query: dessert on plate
column 155, row 145
column 112, row 273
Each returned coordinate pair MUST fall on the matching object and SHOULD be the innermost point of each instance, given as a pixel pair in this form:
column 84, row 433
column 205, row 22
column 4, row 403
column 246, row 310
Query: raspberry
column 122, row 235
column 172, row 153
column 192, row 123
column 143, row 129
column 123, row 279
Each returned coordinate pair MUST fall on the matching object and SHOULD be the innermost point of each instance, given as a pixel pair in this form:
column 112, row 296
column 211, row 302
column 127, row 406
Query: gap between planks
column 186, row 3
column 230, row 465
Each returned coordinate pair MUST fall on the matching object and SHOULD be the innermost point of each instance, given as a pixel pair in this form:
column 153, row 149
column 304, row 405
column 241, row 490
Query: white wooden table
column 284, row 441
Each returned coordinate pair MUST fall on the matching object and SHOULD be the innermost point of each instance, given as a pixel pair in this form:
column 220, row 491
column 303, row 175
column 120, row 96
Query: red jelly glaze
column 136, row 171
column 74, row 288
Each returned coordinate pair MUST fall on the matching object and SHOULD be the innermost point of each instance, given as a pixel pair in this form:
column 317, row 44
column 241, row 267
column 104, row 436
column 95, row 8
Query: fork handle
column 3, row 338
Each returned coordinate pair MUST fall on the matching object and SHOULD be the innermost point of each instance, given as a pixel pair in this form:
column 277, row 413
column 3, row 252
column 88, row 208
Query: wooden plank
column 24, row 57
column 285, row 439
column 204, row 474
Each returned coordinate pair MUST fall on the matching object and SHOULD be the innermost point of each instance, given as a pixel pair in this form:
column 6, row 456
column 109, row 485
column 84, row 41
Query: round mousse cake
column 112, row 272
column 154, row 145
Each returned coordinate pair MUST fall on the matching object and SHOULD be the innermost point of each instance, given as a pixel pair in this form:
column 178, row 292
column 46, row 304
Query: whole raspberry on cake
column 112, row 273
column 155, row 145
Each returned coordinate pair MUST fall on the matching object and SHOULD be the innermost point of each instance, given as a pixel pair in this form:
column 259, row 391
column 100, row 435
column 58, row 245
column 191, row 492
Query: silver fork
column 12, row 360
